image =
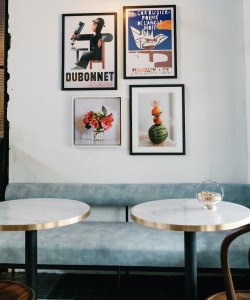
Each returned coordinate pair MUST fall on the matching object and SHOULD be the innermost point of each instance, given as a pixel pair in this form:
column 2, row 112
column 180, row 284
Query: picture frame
column 89, row 51
column 157, row 119
column 96, row 121
column 150, row 41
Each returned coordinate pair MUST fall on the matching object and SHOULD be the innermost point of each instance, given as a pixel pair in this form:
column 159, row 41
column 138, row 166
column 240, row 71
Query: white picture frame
column 84, row 133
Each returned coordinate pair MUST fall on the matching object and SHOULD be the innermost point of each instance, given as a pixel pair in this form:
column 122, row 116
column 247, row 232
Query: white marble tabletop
column 41, row 213
column 189, row 215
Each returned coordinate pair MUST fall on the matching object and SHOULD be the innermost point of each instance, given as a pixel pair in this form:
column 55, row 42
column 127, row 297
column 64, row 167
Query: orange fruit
column 157, row 120
column 156, row 110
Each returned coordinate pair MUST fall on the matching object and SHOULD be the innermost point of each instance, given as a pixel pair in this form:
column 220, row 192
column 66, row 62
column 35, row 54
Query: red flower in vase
column 98, row 120
column 107, row 121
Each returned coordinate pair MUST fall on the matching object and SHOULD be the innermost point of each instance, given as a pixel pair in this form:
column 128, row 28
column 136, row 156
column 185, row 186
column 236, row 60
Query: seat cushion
column 117, row 244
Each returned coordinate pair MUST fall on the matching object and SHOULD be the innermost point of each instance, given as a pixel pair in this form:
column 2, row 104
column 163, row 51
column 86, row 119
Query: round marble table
column 188, row 215
column 30, row 215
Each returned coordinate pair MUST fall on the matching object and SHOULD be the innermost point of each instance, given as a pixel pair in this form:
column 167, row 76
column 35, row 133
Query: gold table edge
column 48, row 225
column 191, row 228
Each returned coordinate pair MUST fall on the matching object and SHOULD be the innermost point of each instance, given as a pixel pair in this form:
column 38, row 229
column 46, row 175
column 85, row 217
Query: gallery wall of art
column 203, row 131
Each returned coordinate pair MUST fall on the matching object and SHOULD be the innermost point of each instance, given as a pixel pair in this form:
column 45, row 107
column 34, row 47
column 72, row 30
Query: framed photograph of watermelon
column 157, row 119
column 150, row 41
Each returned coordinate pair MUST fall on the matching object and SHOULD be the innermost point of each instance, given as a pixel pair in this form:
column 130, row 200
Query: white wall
column 210, row 43
column 246, row 14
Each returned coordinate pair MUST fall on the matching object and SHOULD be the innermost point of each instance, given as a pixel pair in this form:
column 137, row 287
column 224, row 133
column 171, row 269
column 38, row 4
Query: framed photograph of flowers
column 89, row 51
column 150, row 41
column 96, row 121
column 157, row 119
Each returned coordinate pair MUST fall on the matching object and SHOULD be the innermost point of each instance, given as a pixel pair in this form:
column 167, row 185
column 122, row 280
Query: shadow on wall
column 29, row 165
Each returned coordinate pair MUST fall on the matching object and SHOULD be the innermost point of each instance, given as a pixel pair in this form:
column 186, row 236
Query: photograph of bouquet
column 96, row 121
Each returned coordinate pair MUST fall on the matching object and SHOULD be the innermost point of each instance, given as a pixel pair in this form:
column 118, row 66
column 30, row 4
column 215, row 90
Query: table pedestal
column 31, row 260
column 31, row 217
column 189, row 217
column 190, row 265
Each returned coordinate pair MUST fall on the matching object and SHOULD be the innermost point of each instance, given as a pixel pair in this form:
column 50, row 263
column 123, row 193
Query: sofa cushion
column 119, row 244
column 119, row 194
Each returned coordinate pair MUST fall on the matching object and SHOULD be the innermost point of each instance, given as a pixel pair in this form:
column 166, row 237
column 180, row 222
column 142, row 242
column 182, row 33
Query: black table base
column 190, row 265
column 31, row 260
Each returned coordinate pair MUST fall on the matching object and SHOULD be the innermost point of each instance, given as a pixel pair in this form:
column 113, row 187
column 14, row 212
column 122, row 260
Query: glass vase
column 98, row 135
column 209, row 193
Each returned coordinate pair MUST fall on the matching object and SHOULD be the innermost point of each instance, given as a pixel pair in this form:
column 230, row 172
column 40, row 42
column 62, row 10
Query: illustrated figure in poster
column 146, row 40
column 89, row 51
column 96, row 42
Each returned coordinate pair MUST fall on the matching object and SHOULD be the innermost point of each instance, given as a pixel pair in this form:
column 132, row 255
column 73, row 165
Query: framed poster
column 96, row 121
column 157, row 119
column 89, row 51
column 150, row 41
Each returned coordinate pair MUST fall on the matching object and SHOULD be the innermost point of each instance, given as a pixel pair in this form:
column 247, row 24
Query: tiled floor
column 134, row 287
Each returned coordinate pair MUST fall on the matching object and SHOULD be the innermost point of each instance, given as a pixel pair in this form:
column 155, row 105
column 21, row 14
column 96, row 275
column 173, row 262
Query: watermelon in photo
column 157, row 133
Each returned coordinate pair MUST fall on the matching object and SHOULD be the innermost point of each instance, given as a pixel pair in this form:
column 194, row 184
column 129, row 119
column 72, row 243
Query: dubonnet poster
column 150, row 42
column 89, row 48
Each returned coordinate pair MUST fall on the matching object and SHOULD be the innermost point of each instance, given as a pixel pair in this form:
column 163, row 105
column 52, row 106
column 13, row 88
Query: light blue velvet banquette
column 119, row 243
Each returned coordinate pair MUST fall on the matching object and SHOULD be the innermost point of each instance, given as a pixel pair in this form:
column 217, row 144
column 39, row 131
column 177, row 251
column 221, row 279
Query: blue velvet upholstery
column 119, row 194
column 119, row 243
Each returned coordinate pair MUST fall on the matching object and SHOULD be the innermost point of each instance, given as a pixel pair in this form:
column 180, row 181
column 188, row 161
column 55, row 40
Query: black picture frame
column 157, row 119
column 89, row 62
column 150, row 49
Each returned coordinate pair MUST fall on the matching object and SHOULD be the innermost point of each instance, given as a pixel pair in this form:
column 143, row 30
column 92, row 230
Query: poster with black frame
column 150, row 41
column 89, row 51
